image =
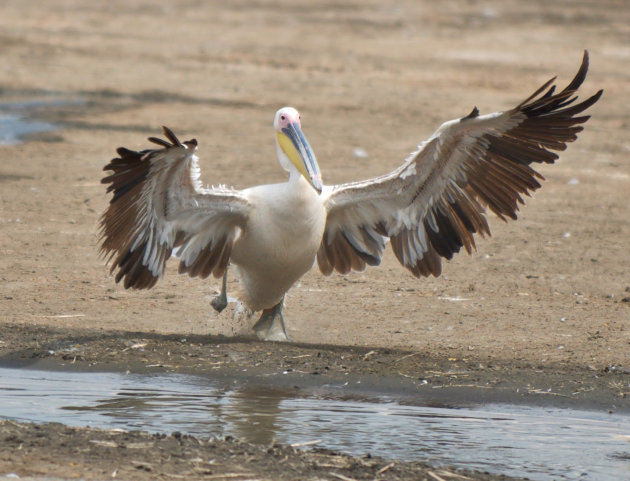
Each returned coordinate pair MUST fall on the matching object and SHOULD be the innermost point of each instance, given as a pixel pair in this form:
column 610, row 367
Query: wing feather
column 158, row 205
column 432, row 205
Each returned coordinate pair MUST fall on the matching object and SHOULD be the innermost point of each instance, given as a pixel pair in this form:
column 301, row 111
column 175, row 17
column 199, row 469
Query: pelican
column 428, row 208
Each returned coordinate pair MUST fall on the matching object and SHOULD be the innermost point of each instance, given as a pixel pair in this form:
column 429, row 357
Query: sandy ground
column 547, row 294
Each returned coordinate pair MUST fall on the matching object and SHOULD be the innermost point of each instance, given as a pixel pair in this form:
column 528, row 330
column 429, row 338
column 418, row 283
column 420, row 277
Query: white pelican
column 428, row 208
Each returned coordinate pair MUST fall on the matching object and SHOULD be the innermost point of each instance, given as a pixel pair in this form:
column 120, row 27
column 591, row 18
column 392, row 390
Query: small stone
column 359, row 153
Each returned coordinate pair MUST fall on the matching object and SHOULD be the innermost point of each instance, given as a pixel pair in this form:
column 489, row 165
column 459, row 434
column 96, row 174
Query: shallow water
column 18, row 120
column 532, row 442
column 14, row 127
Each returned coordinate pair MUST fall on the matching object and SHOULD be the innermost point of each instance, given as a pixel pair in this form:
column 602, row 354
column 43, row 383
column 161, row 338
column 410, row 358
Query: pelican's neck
column 295, row 177
column 299, row 185
column 296, row 180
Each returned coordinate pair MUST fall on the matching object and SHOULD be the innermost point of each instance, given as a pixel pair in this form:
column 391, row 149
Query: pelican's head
column 293, row 148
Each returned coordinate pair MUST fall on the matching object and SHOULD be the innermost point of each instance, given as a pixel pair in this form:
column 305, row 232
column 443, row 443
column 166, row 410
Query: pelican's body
column 285, row 230
column 428, row 208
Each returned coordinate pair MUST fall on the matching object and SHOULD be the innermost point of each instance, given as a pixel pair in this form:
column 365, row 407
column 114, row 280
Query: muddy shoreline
column 411, row 376
column 408, row 377
column 87, row 453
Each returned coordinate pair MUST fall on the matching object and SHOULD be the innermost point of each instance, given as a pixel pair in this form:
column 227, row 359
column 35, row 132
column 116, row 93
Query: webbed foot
column 270, row 326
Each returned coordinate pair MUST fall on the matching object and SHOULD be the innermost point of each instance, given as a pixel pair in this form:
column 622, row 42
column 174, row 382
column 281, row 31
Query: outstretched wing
column 433, row 204
column 158, row 204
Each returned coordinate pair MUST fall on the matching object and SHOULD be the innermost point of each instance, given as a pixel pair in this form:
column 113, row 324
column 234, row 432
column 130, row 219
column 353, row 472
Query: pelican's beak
column 296, row 147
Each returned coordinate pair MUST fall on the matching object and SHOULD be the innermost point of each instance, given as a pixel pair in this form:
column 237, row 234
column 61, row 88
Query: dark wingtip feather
column 580, row 75
column 537, row 92
column 174, row 141
column 170, row 135
column 473, row 113
column 162, row 142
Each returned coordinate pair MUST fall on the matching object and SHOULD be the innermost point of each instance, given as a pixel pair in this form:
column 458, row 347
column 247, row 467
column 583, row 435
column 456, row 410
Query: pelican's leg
column 270, row 326
column 220, row 302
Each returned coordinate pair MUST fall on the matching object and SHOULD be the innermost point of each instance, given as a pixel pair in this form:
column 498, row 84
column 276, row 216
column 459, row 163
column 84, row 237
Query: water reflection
column 257, row 422
column 519, row 441
column 202, row 408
